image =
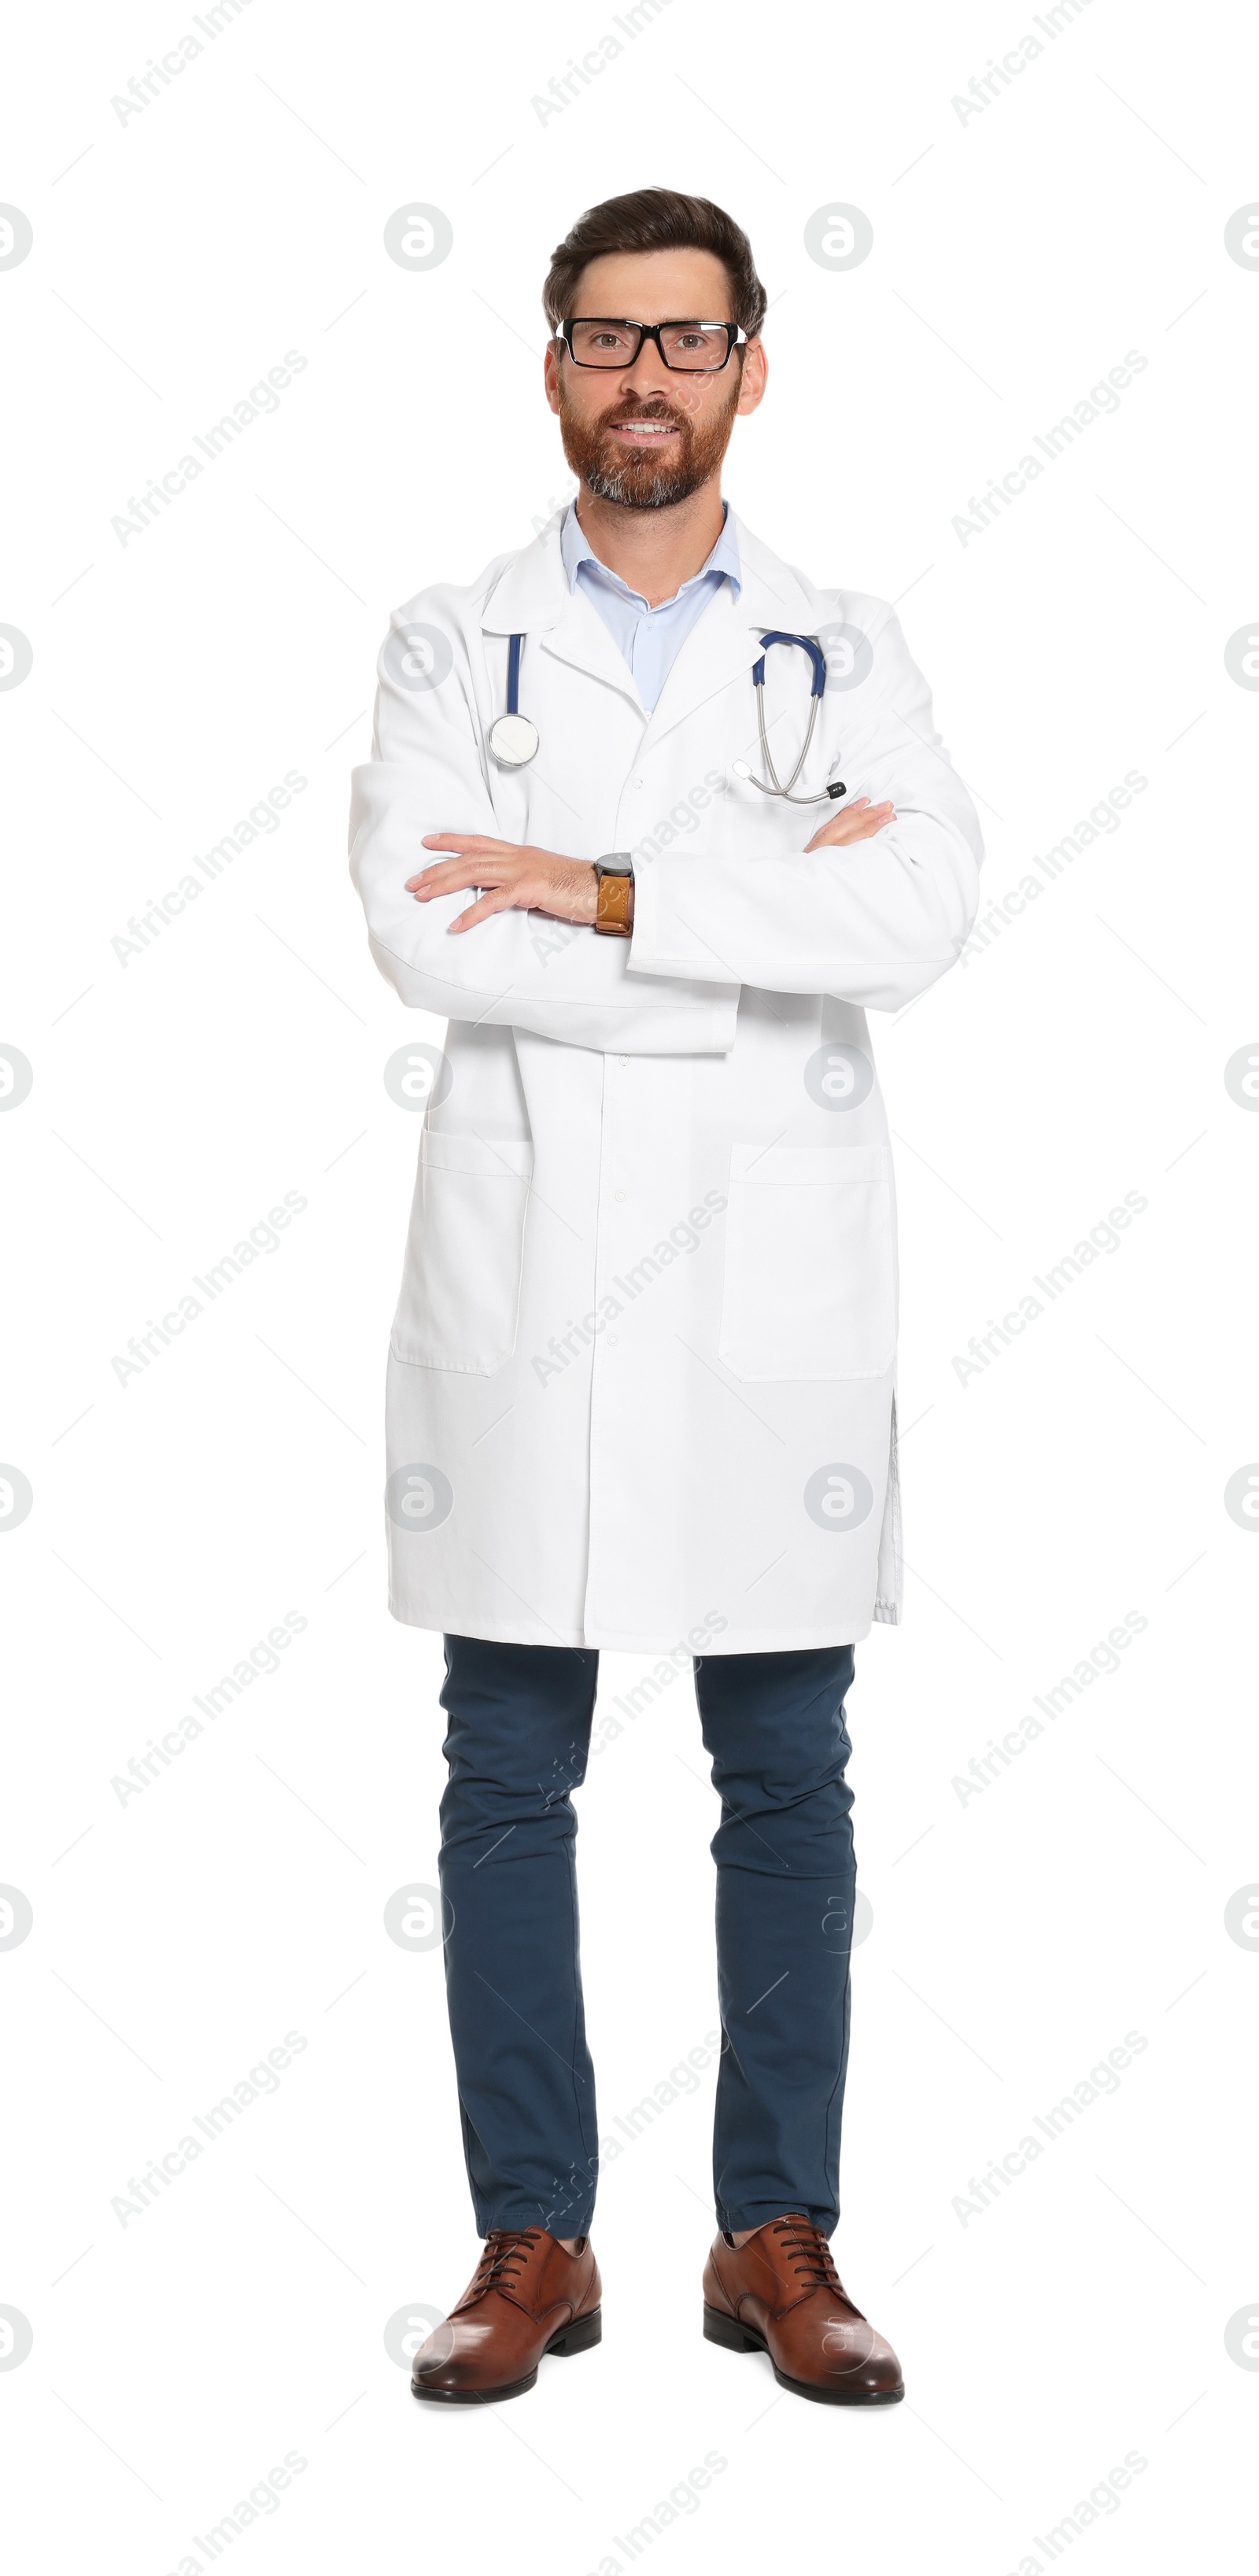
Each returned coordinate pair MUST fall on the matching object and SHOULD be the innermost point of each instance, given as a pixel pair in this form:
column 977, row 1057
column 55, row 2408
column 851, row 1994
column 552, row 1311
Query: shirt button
column 624, row 1059
column 636, row 782
column 610, row 1339
column 620, row 1195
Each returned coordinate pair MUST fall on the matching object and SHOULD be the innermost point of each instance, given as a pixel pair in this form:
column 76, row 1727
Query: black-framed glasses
column 689, row 348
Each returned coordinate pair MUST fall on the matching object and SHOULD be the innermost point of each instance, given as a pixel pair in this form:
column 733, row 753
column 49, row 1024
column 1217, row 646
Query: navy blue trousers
column 517, row 1745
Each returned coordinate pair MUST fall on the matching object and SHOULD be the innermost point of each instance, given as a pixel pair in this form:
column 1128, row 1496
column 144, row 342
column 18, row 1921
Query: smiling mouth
column 643, row 430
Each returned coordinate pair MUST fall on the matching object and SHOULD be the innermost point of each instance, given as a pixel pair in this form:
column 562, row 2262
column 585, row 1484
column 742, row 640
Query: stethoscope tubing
column 772, row 786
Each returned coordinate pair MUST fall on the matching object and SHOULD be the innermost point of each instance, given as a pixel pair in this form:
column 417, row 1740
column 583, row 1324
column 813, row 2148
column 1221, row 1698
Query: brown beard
column 644, row 482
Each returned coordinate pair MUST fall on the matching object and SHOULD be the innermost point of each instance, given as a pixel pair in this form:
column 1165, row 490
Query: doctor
column 641, row 1387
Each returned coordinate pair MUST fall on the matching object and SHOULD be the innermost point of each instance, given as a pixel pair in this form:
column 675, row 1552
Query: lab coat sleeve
column 517, row 969
column 874, row 923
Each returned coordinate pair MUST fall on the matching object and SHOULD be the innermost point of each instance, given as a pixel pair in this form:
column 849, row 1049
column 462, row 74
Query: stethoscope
column 773, row 786
column 513, row 740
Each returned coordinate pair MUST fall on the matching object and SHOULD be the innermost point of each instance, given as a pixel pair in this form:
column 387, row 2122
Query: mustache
column 643, row 411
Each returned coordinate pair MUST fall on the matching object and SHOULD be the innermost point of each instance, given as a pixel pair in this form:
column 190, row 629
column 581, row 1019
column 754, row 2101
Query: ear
column 755, row 376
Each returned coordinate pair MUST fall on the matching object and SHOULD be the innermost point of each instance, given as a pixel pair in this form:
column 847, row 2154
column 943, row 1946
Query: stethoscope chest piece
column 513, row 740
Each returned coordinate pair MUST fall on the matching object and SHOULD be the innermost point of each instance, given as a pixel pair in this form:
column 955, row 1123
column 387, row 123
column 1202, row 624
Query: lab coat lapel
column 726, row 640
column 532, row 597
column 721, row 647
column 531, row 591
column 581, row 638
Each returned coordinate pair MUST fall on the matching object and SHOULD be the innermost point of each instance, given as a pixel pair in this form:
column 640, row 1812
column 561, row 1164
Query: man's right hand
column 856, row 822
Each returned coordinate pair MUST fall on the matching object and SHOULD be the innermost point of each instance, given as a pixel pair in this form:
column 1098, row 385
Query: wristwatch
column 614, row 899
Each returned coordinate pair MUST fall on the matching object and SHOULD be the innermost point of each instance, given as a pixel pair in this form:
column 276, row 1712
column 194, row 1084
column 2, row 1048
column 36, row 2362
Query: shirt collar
column 723, row 562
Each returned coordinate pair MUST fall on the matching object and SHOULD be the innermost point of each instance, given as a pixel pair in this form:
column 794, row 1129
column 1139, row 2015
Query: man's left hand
column 515, row 879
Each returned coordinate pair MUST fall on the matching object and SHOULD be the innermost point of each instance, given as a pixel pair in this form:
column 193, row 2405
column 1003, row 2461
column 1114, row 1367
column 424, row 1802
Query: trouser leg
column 774, row 1726
column 517, row 1744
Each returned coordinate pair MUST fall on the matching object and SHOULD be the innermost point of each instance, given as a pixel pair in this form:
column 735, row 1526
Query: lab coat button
column 610, row 1339
column 620, row 1195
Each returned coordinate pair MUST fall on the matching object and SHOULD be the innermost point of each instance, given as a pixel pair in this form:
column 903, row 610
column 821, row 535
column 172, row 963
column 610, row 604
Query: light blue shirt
column 649, row 638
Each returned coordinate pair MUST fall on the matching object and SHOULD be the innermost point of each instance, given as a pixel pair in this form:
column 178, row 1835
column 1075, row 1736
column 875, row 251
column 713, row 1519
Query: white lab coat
column 642, row 1372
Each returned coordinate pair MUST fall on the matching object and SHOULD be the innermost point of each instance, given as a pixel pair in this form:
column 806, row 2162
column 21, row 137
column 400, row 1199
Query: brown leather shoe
column 526, row 2297
column 781, row 2294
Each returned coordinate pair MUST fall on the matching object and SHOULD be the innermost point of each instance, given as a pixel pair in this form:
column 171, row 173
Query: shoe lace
column 507, row 2251
column 809, row 2253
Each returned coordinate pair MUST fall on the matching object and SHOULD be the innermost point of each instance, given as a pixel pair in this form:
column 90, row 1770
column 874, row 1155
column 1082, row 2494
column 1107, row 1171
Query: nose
column 648, row 374
column 647, row 370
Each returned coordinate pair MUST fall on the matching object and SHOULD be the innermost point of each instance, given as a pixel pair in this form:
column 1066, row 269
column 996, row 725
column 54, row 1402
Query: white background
column 1016, row 1937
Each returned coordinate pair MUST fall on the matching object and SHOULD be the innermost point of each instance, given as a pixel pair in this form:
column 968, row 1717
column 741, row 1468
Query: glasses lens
column 696, row 344
column 604, row 344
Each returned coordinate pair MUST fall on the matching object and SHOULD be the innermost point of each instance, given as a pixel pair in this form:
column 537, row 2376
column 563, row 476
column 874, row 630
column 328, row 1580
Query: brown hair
column 656, row 219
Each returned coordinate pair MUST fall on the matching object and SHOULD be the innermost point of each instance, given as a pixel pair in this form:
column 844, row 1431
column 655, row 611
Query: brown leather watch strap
column 614, row 906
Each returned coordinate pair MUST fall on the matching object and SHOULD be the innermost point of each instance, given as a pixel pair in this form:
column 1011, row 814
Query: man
column 641, row 1376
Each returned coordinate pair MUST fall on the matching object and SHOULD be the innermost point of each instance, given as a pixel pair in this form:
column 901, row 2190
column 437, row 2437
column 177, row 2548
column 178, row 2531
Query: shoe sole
column 734, row 2336
column 580, row 2336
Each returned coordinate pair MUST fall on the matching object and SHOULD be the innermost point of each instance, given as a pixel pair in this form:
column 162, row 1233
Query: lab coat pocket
column 461, row 1280
column 810, row 1266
